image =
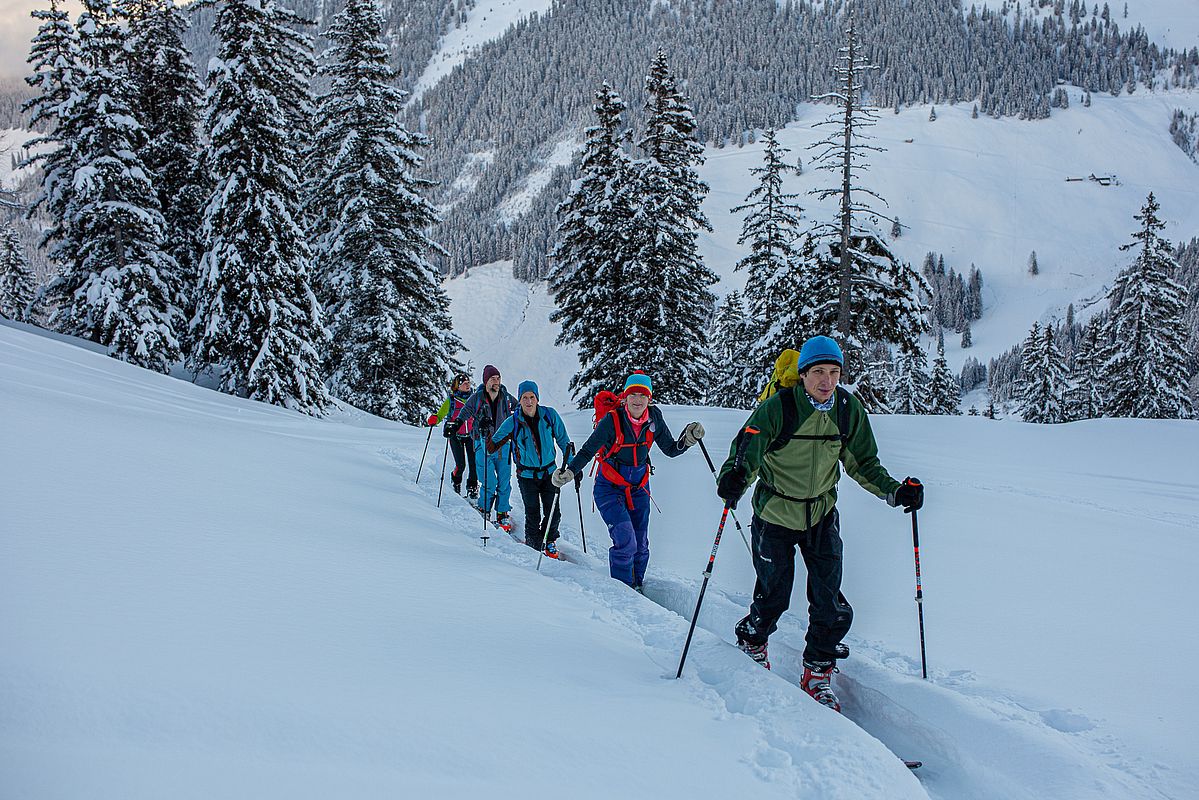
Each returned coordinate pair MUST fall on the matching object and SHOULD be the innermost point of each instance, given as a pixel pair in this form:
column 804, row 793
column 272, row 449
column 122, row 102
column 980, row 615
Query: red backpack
column 609, row 404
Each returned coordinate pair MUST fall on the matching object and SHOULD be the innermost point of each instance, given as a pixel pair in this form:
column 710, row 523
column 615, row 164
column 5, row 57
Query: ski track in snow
column 974, row 742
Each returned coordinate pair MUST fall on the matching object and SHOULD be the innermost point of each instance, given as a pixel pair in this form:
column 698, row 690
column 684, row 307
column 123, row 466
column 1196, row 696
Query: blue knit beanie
column 819, row 350
column 638, row 382
column 527, row 386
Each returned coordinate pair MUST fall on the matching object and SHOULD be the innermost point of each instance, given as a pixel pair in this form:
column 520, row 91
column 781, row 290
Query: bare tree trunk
column 843, row 300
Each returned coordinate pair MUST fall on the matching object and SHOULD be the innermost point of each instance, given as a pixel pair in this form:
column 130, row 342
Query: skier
column 621, row 442
column 450, row 409
column 487, row 406
column 804, row 433
column 533, row 431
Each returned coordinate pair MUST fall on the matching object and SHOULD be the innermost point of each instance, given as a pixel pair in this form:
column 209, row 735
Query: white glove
column 692, row 433
column 561, row 477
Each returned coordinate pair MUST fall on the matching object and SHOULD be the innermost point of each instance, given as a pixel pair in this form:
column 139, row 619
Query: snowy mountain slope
column 206, row 597
column 488, row 20
column 231, row 600
column 979, row 191
column 505, row 322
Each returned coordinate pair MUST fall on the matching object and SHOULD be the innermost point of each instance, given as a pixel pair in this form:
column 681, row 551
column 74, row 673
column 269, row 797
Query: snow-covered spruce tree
column 116, row 285
column 877, row 378
column 944, row 391
column 874, row 296
column 589, row 254
column 735, row 376
column 910, row 395
column 56, row 70
column 1147, row 365
column 665, row 284
column 1033, row 267
column 17, row 284
column 771, row 228
column 257, row 317
column 393, row 343
column 167, row 102
column 1041, row 389
column 1087, row 385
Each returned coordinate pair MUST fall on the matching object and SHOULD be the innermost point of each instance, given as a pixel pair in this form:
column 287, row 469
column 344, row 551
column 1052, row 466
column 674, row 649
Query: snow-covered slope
column 205, row 597
column 488, row 20
column 979, row 191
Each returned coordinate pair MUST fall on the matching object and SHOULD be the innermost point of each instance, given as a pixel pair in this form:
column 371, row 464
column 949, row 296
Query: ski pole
column 444, row 457
column 579, row 497
column 423, row 452
column 737, row 461
column 919, row 594
column 545, row 532
column 736, row 522
column 484, row 501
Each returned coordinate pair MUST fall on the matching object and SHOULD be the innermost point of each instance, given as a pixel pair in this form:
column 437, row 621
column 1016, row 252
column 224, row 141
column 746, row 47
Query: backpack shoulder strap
column 786, row 396
column 843, row 414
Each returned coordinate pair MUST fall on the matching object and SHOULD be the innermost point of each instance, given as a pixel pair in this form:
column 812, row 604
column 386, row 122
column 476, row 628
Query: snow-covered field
column 206, row 597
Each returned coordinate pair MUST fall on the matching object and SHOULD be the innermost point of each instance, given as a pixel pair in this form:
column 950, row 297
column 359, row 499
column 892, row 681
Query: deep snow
column 206, row 597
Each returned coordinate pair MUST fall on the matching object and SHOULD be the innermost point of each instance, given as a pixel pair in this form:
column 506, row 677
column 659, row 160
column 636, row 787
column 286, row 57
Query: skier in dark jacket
column 795, row 506
column 450, row 409
column 486, row 408
column 621, row 441
column 533, row 432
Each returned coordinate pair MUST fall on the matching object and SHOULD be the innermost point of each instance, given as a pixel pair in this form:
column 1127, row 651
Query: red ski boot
column 818, row 682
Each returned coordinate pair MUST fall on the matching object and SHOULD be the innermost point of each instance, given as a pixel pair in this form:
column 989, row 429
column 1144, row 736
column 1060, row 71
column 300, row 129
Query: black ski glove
column 910, row 495
column 732, row 485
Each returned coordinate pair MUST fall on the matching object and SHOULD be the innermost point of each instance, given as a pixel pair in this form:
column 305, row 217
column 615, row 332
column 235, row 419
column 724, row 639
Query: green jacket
column 807, row 470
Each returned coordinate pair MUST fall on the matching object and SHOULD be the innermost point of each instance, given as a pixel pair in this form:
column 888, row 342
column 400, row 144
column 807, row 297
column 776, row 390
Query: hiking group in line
column 805, row 429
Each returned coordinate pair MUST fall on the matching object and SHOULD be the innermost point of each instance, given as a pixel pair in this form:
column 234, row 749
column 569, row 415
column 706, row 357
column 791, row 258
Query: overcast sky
column 16, row 29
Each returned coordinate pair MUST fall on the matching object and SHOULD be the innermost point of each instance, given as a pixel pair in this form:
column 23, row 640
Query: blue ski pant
column 495, row 477
column 629, row 527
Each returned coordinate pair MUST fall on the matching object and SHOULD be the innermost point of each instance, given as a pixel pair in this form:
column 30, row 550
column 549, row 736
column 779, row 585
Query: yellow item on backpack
column 785, row 373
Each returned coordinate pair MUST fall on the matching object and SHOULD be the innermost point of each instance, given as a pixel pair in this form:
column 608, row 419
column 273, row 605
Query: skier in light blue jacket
column 533, row 430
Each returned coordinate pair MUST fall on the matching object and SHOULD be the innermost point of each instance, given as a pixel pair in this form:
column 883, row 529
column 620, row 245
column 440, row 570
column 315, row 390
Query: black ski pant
column 458, row 448
column 538, row 495
column 829, row 614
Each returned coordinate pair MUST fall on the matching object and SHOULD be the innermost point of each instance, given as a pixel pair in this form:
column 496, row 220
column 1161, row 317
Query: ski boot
column 817, row 681
column 472, row 492
column 551, row 549
column 456, row 481
column 755, row 651
column 504, row 520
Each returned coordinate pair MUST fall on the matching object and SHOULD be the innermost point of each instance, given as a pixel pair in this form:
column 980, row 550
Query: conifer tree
column 859, row 285
column 257, row 316
column 167, row 101
column 735, row 374
column 393, row 343
column 1033, row 268
column 1147, row 365
column 116, row 286
column 1085, row 395
column 944, row 390
column 17, row 284
column 771, row 228
column 665, row 283
column 593, row 243
column 911, row 394
column 1042, row 384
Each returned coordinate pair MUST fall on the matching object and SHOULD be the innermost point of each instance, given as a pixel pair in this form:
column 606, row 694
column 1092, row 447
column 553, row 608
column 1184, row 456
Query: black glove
column 732, row 485
column 449, row 429
column 910, row 495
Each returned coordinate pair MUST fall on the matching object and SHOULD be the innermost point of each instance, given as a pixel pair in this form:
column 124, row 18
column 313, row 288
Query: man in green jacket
column 803, row 437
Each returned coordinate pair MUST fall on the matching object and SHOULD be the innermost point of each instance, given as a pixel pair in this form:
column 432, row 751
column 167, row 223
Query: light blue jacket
column 533, row 461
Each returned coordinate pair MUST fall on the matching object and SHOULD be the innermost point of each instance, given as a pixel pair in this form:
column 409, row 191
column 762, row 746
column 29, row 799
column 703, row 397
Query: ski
column 913, row 764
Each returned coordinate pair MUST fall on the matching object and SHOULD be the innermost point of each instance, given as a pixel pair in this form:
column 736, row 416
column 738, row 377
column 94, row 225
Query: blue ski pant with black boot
column 495, row 477
column 629, row 527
